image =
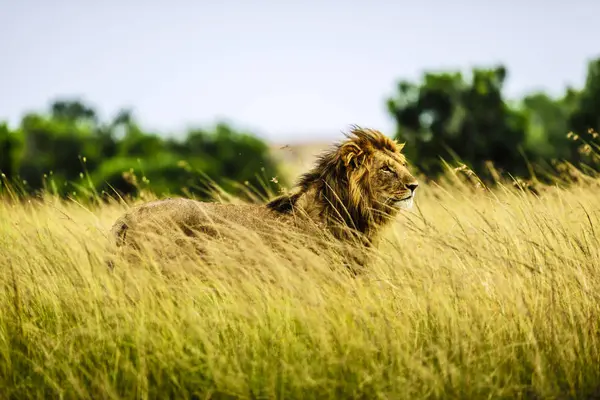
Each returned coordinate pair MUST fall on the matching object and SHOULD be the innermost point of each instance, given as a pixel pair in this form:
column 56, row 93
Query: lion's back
column 191, row 217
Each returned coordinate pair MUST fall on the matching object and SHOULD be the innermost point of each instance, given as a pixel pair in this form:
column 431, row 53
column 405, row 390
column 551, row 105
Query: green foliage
column 445, row 117
column 586, row 114
column 470, row 121
column 70, row 150
column 7, row 144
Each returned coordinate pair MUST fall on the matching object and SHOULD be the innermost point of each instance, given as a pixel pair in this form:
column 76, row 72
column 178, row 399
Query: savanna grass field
column 477, row 292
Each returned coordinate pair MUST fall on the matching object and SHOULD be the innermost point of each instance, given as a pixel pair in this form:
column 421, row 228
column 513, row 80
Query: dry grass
column 475, row 295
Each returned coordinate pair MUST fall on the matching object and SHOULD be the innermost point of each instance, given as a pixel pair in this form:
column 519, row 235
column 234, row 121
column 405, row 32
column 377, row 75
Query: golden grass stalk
column 477, row 293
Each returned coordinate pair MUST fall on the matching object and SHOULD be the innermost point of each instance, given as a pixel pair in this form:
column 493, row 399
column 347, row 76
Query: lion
column 354, row 190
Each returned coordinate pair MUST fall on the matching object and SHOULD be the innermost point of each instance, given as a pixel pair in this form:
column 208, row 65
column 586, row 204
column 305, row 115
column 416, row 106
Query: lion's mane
column 338, row 191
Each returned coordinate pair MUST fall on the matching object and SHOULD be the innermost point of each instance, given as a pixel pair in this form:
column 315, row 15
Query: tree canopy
column 68, row 149
column 455, row 118
column 445, row 116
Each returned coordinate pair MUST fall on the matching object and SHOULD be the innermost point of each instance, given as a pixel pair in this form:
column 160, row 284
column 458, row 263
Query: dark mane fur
column 339, row 184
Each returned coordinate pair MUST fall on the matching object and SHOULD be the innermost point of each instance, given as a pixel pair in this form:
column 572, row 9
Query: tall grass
column 474, row 294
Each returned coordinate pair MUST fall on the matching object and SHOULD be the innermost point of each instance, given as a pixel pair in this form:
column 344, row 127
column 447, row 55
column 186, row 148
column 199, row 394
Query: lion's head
column 361, row 183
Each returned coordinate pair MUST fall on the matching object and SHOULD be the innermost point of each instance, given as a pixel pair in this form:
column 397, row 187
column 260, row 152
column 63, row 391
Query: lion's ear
column 351, row 154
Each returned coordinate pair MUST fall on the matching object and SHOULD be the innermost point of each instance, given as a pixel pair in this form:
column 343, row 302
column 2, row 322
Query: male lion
column 353, row 191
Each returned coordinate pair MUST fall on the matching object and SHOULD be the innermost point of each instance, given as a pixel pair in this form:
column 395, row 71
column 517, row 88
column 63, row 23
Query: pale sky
column 288, row 71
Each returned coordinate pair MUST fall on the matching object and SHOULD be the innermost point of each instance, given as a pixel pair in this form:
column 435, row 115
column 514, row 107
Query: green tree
column 584, row 120
column 449, row 117
column 586, row 115
column 60, row 147
column 7, row 145
column 72, row 110
column 548, row 126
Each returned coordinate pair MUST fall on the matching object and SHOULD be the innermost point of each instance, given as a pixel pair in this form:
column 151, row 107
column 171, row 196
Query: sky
column 287, row 71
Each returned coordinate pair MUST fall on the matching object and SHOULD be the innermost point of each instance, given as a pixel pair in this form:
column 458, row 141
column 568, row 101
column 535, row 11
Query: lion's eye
column 386, row 168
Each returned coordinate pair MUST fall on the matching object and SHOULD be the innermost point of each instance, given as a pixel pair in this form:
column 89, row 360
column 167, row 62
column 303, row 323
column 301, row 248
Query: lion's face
column 391, row 182
column 361, row 181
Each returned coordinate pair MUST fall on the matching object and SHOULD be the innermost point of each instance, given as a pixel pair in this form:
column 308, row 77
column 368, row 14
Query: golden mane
column 340, row 187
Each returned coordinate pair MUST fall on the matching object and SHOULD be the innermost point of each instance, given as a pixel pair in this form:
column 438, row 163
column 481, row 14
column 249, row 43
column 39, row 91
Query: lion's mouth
column 404, row 203
column 397, row 199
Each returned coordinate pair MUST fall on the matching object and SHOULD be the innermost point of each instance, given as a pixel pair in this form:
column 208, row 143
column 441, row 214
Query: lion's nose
column 412, row 186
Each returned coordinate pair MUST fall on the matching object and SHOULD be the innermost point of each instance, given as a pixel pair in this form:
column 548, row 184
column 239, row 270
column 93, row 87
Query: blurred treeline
column 446, row 116
column 69, row 151
column 469, row 120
